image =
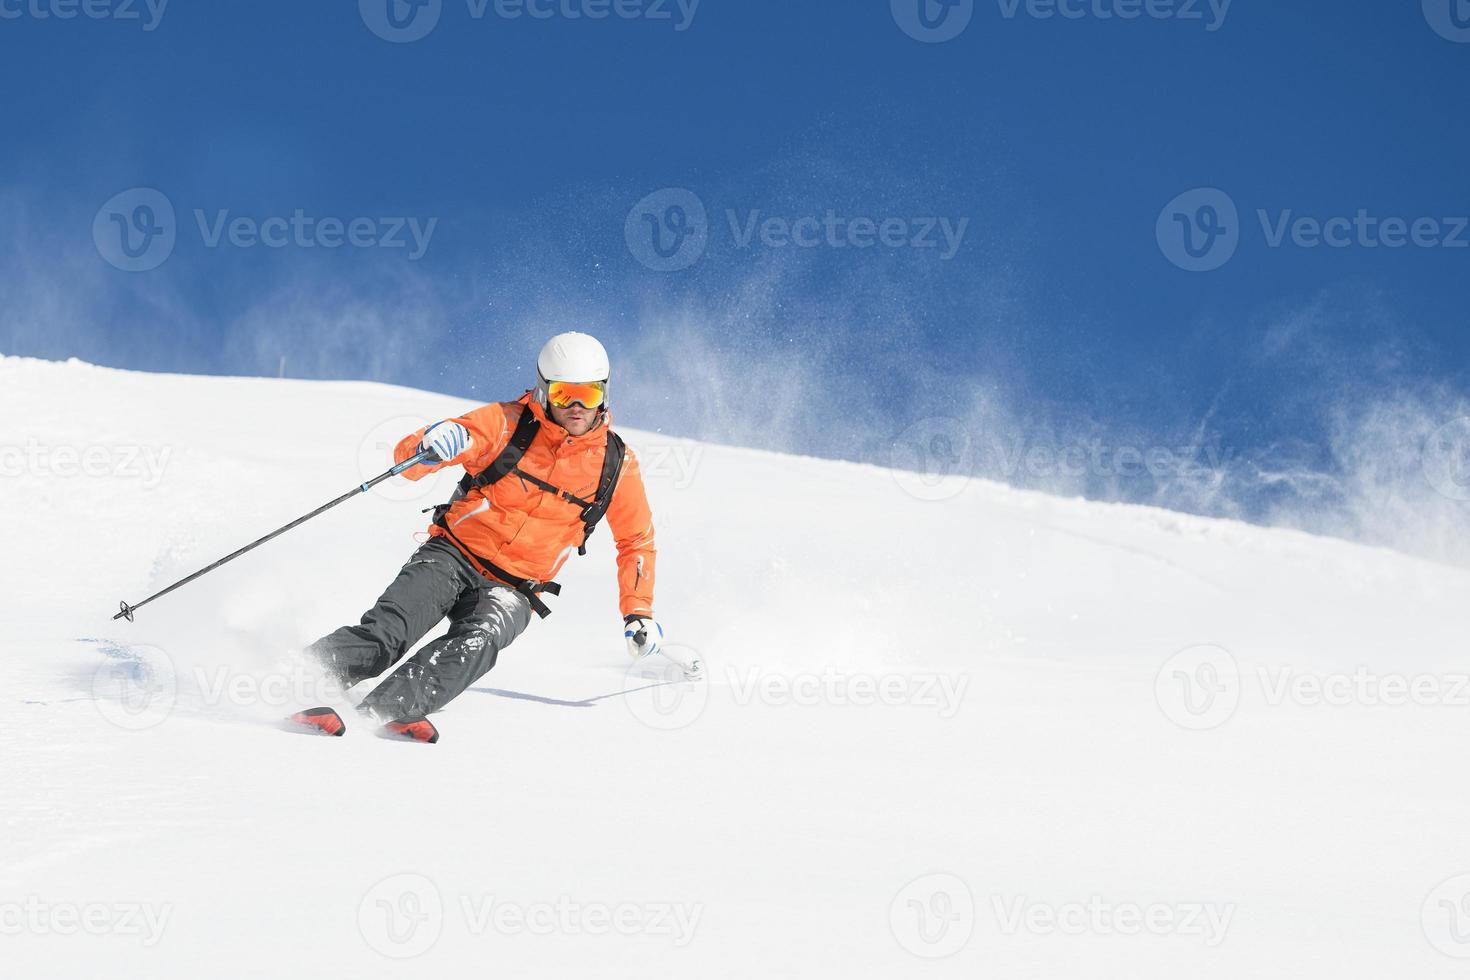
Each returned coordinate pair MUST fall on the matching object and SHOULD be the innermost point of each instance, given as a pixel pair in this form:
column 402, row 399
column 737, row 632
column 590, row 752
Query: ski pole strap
column 527, row 587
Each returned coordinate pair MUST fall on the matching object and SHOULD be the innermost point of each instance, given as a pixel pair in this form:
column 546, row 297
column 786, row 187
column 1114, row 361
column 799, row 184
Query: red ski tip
column 422, row 730
column 323, row 720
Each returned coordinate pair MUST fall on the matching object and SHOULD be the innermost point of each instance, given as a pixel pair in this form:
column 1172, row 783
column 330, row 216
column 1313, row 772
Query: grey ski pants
column 438, row 581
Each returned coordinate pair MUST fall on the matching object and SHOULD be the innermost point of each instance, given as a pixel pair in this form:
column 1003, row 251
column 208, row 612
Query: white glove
column 646, row 636
column 643, row 634
column 446, row 439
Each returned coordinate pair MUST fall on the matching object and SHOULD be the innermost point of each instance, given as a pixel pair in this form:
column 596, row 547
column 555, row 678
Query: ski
column 317, row 721
column 422, row 730
column 326, row 721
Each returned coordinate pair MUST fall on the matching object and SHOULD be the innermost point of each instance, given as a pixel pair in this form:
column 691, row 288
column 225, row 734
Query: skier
column 540, row 472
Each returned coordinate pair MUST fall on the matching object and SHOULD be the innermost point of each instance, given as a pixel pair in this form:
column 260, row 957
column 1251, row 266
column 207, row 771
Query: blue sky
column 1048, row 138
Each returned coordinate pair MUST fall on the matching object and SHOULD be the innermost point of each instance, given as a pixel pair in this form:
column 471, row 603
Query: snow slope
column 993, row 734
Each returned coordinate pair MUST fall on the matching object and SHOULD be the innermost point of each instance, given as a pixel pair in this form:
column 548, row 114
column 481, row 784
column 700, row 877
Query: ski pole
column 693, row 668
column 427, row 454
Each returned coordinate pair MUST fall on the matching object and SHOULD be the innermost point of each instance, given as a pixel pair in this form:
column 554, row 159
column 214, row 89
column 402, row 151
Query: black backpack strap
column 592, row 510
column 551, row 488
column 612, row 468
column 508, row 462
column 520, row 440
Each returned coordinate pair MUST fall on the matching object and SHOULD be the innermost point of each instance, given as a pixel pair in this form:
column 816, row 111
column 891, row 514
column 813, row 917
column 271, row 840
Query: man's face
column 574, row 418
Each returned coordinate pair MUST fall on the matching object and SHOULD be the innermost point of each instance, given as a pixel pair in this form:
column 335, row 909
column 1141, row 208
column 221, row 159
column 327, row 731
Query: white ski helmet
column 571, row 357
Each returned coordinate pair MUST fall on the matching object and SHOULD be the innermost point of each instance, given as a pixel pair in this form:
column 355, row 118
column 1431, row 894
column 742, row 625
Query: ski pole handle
column 423, row 456
column 126, row 611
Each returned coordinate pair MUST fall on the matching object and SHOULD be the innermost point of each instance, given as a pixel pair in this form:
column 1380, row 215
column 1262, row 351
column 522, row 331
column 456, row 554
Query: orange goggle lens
column 564, row 393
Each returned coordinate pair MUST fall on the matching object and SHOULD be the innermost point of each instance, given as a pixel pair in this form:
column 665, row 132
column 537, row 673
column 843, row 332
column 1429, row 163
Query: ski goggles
column 563, row 394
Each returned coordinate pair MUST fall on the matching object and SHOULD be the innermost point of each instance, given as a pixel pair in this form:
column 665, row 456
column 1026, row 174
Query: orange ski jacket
column 527, row 531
